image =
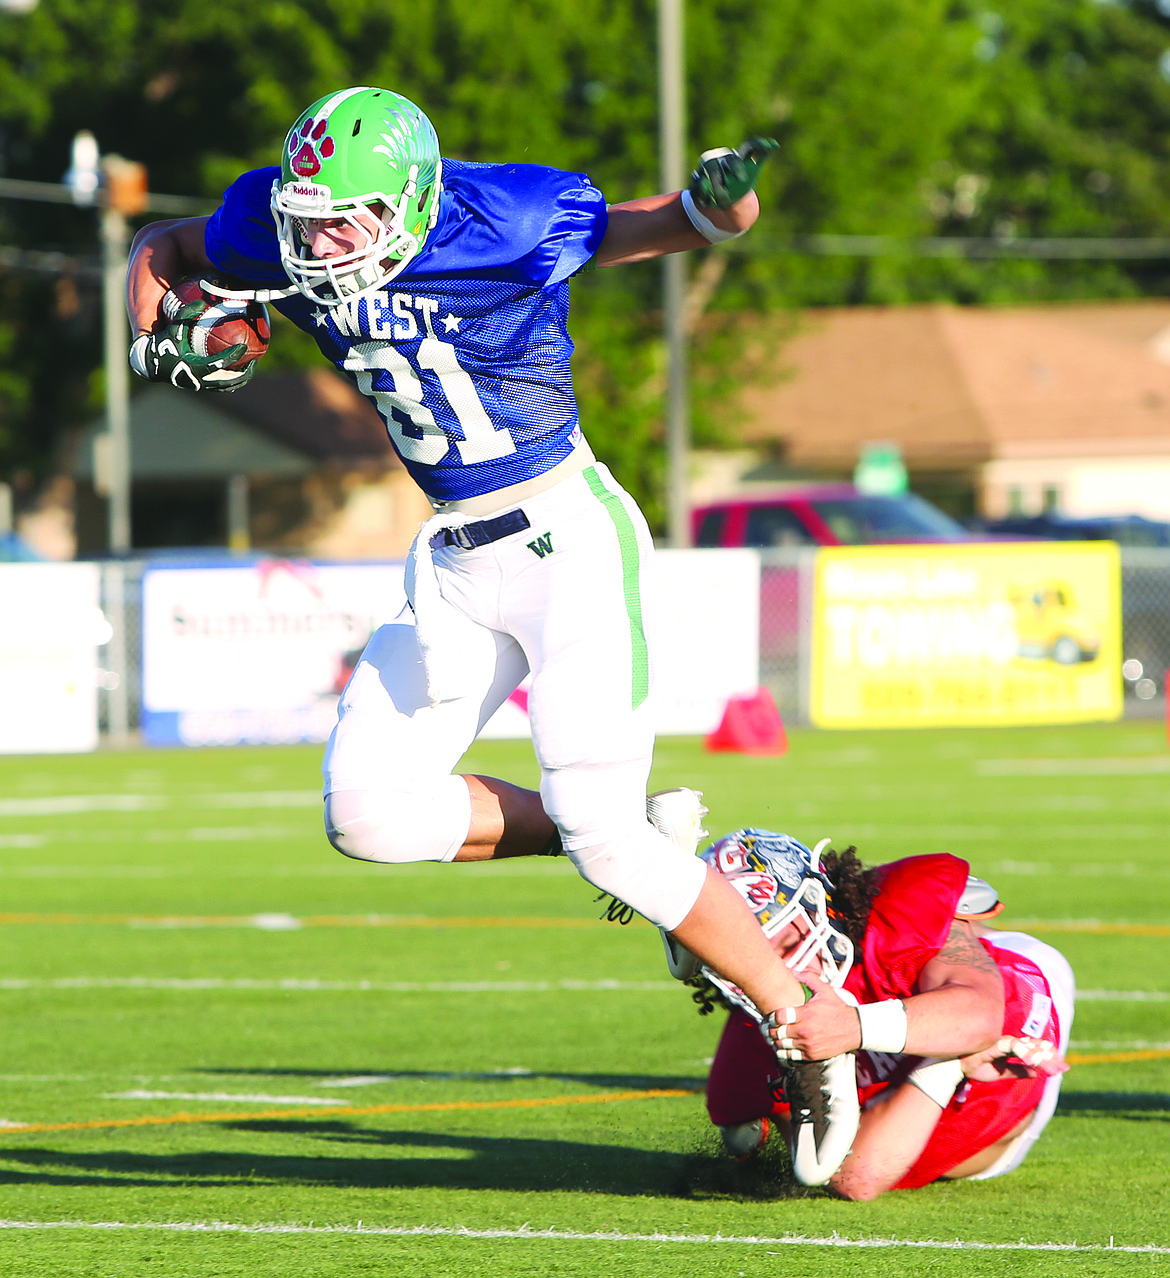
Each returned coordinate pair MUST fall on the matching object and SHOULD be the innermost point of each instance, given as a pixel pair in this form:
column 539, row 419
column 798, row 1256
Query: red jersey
column 982, row 1113
column 908, row 924
column 910, row 920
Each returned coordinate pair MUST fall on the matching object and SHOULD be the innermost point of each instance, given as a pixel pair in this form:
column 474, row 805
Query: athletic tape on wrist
column 706, row 228
column 138, row 355
column 883, row 1026
column 938, row 1080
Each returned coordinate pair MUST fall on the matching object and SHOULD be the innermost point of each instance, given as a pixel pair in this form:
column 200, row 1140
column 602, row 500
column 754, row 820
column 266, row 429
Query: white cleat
column 678, row 814
column 825, row 1115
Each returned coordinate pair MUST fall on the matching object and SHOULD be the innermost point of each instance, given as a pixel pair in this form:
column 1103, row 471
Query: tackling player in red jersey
column 959, row 1029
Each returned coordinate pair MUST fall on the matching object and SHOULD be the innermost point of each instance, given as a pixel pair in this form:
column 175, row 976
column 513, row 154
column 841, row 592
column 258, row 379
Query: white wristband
column 706, row 228
column 883, row 1026
column 937, row 1079
column 137, row 357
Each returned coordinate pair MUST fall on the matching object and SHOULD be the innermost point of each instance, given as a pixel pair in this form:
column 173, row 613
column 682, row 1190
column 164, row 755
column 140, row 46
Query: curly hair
column 854, row 888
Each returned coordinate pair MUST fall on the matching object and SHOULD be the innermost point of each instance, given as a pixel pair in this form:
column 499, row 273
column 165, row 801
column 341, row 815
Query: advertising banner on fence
column 258, row 653
column 706, row 635
column 50, row 630
column 975, row 633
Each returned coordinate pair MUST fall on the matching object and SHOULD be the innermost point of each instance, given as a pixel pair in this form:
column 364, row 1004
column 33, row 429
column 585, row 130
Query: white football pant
column 565, row 600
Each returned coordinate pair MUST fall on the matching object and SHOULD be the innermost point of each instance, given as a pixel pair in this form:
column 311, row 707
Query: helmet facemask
column 368, row 160
column 810, row 906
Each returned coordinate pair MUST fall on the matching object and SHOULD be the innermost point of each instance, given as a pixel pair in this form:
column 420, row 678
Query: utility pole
column 672, row 132
column 125, row 195
column 121, row 194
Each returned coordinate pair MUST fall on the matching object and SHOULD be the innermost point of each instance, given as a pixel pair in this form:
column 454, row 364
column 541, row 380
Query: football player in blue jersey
column 440, row 287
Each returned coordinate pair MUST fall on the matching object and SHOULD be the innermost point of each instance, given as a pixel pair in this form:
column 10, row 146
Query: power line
column 1069, row 248
column 59, row 193
column 18, row 259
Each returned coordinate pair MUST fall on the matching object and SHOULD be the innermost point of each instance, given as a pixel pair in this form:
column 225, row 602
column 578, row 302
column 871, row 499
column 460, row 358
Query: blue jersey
column 465, row 354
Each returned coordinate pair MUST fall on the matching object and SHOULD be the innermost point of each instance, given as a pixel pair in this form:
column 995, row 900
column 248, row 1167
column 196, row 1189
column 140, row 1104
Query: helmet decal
column 399, row 147
column 308, row 146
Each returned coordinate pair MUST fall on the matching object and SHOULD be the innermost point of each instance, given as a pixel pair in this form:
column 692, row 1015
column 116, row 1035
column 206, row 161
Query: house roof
column 177, row 435
column 318, row 413
column 285, row 424
column 962, row 385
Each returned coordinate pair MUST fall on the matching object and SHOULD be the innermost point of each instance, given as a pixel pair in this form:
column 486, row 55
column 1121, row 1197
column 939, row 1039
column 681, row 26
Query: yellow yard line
column 1117, row 1058
column 162, row 1120
column 353, row 1111
column 312, row 920
column 407, row 920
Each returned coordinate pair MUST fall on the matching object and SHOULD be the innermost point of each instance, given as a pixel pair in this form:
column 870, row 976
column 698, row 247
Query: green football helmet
column 349, row 151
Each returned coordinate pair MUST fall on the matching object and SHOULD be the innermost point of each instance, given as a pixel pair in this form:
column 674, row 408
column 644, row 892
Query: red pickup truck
column 821, row 515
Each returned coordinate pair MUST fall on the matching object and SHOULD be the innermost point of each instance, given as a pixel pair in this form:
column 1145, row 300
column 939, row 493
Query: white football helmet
column 782, row 881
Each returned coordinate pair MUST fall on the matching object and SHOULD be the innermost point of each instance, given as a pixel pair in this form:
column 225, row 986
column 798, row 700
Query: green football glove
column 167, row 356
column 725, row 176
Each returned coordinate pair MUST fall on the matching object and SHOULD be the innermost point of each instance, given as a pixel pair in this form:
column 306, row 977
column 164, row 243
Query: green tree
column 896, row 117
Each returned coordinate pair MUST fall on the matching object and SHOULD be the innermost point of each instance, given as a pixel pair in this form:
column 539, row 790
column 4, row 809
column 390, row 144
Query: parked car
column 1126, row 530
column 813, row 515
column 822, row 515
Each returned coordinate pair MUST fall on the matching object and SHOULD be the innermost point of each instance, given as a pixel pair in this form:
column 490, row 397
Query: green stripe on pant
column 631, row 567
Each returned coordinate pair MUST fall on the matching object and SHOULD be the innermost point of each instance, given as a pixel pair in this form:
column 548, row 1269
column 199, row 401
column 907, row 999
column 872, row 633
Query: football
column 216, row 323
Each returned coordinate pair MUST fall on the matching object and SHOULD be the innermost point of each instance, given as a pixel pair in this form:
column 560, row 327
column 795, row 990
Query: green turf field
column 244, row 1055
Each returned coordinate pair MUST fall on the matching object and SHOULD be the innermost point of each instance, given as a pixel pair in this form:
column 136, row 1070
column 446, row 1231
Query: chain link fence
column 1145, row 628
column 120, row 682
column 786, row 599
column 786, row 619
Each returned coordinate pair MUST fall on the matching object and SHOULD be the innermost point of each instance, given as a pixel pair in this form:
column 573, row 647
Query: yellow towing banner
column 968, row 633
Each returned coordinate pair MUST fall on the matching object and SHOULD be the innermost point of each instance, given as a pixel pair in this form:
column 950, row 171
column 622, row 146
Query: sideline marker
column 750, row 725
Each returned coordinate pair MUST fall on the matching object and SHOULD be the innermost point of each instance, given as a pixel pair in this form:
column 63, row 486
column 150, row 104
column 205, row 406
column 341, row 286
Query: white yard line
column 67, row 804
column 329, row 987
column 277, row 921
column 142, row 1094
column 311, row 985
column 1122, row 996
column 568, row 1235
column 1143, row 765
